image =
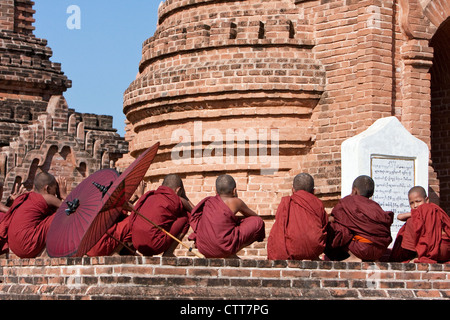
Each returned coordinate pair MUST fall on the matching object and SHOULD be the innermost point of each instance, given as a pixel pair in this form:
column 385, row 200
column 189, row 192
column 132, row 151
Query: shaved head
column 225, row 185
column 305, row 182
column 365, row 185
column 42, row 180
column 173, row 181
column 418, row 189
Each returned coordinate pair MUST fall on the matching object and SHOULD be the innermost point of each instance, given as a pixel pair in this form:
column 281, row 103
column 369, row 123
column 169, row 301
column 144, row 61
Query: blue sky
column 102, row 57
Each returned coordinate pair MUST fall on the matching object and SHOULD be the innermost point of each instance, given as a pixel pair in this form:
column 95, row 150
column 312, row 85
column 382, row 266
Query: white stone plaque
column 394, row 158
column 394, row 177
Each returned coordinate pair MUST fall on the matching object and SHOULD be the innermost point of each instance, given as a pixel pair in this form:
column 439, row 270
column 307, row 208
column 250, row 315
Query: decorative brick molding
column 131, row 277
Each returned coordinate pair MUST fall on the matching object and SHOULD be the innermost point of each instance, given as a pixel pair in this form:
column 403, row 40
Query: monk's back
column 162, row 206
column 299, row 231
column 29, row 225
column 29, row 214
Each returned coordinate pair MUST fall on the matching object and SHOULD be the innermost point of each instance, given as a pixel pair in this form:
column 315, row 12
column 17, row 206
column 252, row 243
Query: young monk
column 4, row 207
column 217, row 231
column 359, row 228
column 426, row 233
column 30, row 216
column 168, row 208
column 299, row 231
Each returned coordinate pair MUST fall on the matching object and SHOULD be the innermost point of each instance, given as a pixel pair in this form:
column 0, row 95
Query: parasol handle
column 170, row 235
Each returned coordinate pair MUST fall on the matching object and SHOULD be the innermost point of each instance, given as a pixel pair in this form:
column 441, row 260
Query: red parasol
column 117, row 198
column 71, row 227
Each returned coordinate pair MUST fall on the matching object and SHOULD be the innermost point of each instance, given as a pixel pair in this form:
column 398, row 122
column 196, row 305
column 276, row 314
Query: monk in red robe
column 26, row 224
column 217, row 231
column 359, row 228
column 4, row 207
column 426, row 233
column 299, row 231
column 168, row 208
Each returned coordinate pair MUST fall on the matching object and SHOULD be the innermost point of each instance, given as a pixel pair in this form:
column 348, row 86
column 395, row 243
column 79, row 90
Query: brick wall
column 130, row 277
column 233, row 66
column 440, row 111
column 7, row 15
column 59, row 142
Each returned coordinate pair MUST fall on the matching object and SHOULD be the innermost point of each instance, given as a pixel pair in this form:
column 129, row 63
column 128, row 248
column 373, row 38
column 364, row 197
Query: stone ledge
column 156, row 278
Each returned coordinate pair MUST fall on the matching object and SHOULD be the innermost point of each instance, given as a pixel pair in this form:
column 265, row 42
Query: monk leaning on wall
column 217, row 231
column 425, row 237
column 299, row 231
column 359, row 228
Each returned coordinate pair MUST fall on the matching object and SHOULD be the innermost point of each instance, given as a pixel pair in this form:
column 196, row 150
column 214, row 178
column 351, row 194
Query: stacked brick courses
column 231, row 65
column 130, row 277
column 320, row 71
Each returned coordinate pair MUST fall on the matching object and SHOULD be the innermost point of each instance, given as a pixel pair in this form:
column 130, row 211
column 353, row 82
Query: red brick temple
column 293, row 77
column 38, row 130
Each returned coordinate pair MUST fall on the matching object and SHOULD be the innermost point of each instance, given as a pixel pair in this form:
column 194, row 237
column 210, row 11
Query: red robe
column 299, row 231
column 399, row 253
column 164, row 208
column 121, row 231
column 361, row 226
column 219, row 233
column 427, row 233
column 26, row 225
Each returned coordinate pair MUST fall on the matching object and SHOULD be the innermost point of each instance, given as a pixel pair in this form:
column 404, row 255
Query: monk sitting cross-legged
column 168, row 208
column 28, row 220
column 299, row 231
column 217, row 231
column 426, row 233
column 359, row 228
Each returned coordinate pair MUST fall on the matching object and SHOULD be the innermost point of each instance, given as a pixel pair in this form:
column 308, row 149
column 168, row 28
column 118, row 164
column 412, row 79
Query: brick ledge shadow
column 161, row 278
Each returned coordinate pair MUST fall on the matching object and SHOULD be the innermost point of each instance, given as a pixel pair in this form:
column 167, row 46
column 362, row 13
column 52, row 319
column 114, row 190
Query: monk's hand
column 128, row 207
column 141, row 189
column 20, row 190
column 62, row 184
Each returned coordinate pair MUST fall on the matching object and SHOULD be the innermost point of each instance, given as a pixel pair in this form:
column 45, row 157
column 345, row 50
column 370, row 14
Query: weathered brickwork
column 38, row 131
column 130, row 277
column 319, row 71
column 440, row 109
column 231, row 66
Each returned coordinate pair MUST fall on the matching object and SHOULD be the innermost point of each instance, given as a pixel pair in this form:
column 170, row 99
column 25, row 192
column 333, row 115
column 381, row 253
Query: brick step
column 137, row 278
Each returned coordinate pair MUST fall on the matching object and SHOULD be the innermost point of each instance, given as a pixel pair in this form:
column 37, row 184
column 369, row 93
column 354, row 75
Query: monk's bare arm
column 52, row 200
column 243, row 208
column 187, row 204
column 3, row 208
column 404, row 216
